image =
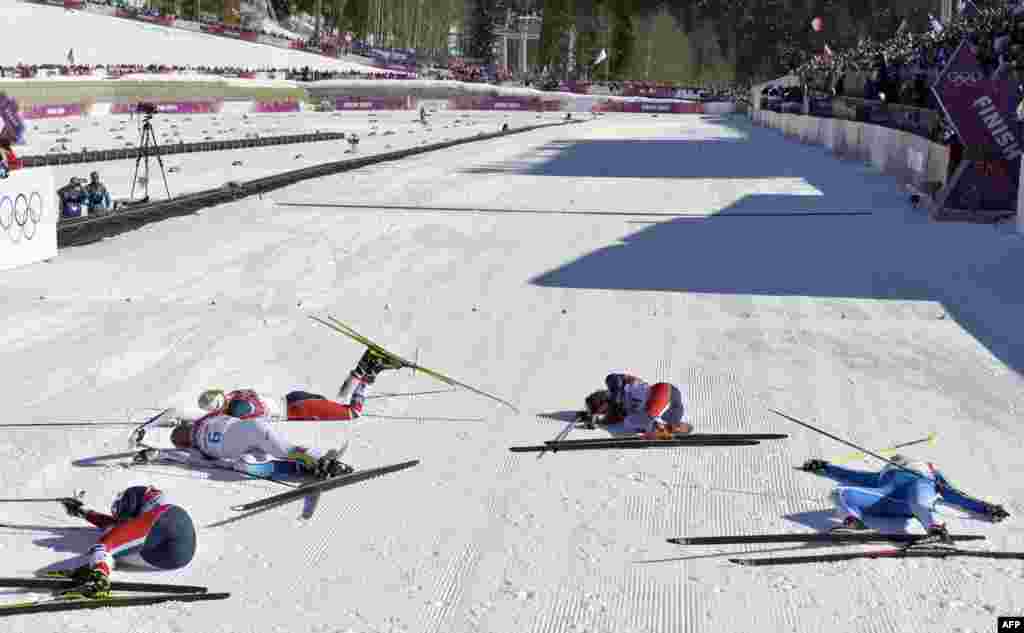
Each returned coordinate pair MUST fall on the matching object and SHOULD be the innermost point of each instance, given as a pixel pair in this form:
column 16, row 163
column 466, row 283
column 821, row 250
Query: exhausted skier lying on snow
column 238, row 429
column 655, row 409
column 908, row 489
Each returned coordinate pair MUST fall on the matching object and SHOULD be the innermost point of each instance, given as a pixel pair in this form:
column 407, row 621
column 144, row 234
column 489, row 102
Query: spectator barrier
column 28, row 218
column 917, row 161
column 96, row 156
column 87, row 230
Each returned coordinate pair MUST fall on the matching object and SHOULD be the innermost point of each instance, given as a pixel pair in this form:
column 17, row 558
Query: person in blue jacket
column 903, row 488
column 96, row 195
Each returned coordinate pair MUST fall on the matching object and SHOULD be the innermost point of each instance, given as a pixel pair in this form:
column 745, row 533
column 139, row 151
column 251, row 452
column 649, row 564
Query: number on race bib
column 214, row 437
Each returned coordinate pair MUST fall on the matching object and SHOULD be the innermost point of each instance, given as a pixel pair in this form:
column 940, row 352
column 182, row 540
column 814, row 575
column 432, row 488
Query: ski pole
column 78, row 494
column 79, row 425
column 888, row 452
column 850, row 444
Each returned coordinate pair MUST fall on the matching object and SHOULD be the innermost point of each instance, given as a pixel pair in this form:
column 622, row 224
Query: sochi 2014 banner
column 173, row 107
column 276, row 106
column 373, row 103
column 54, row 110
column 12, row 128
column 982, row 111
column 469, row 102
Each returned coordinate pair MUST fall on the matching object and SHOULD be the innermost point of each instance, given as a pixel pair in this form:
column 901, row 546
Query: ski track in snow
column 535, row 308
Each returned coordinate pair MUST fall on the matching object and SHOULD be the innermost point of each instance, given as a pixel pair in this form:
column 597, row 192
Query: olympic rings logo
column 965, row 79
column 20, row 215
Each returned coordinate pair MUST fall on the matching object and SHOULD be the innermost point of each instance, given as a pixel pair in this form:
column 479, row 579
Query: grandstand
column 45, row 34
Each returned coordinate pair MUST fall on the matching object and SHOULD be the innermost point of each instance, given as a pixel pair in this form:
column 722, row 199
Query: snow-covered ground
column 688, row 249
column 35, row 34
column 378, row 132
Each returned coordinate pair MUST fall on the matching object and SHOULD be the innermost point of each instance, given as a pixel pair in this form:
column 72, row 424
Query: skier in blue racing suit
column 910, row 491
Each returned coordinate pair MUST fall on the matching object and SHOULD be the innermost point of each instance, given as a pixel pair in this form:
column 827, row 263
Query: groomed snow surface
column 378, row 132
column 749, row 270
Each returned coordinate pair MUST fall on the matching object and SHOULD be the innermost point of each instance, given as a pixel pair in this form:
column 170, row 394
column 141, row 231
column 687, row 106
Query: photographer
column 72, row 199
column 96, row 196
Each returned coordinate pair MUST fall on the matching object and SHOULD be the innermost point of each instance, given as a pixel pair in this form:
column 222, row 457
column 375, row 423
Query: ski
column 342, row 328
column 696, row 437
column 322, row 486
column 61, row 581
column 814, row 537
column 908, row 552
column 76, row 602
column 554, row 447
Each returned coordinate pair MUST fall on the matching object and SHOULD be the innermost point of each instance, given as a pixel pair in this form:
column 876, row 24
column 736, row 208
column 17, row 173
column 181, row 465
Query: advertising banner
column 982, row 111
column 54, row 110
column 28, row 217
column 275, row 106
column 163, row 20
column 372, row 103
column 524, row 104
column 172, row 107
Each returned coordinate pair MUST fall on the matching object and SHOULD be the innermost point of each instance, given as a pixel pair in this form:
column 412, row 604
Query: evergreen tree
column 480, row 35
column 623, row 37
column 554, row 36
column 356, row 17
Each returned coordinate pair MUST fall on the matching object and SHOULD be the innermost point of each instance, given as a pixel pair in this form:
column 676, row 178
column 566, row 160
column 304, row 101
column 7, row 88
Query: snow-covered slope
column 35, row 34
column 693, row 250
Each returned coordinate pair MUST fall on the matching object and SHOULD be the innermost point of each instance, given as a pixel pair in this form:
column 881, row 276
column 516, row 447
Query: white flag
column 603, row 55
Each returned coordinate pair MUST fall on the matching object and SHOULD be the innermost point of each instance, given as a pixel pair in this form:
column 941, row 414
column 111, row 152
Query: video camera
column 146, row 108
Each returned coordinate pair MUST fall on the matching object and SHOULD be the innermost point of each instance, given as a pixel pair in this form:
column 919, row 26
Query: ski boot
column 937, row 535
column 372, row 363
column 852, row 525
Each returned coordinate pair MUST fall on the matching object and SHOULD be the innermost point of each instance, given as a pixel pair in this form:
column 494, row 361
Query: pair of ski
column 152, row 593
column 347, row 330
column 317, row 487
column 914, row 546
column 638, row 442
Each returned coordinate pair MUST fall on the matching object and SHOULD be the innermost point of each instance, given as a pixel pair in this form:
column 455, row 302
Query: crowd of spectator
column 901, row 69
column 31, row 71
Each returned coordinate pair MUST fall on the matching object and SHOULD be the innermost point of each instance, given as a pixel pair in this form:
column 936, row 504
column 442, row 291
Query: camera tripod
column 148, row 146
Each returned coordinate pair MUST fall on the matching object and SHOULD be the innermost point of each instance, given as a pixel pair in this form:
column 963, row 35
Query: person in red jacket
column 8, row 159
column 142, row 530
column 656, row 410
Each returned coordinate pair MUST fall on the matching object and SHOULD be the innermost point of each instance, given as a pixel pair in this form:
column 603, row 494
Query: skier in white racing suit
column 239, row 431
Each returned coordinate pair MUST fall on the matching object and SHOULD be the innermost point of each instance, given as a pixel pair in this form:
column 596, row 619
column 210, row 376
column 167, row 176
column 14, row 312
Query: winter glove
column 91, row 583
column 585, row 419
column 814, row 466
column 330, row 466
column 996, row 512
column 74, row 507
column 146, row 455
